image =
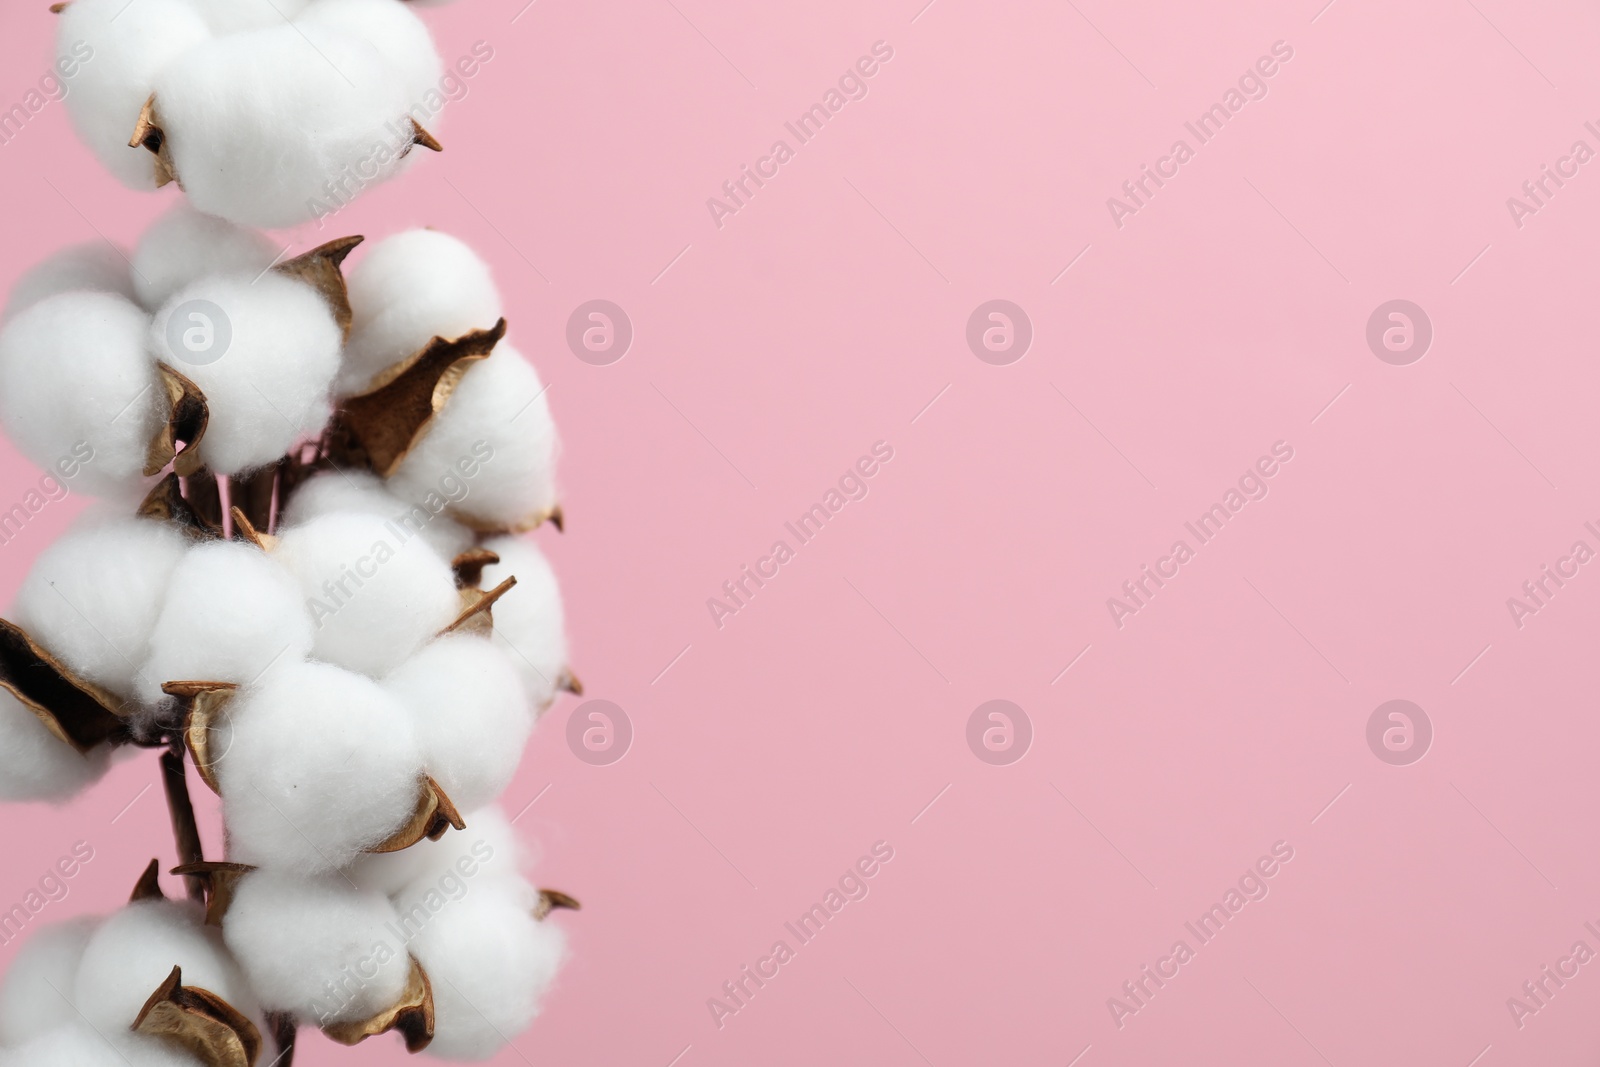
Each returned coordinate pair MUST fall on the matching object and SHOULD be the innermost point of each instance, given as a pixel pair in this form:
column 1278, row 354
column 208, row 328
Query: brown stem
column 283, row 1030
column 204, row 496
column 185, row 832
column 253, row 496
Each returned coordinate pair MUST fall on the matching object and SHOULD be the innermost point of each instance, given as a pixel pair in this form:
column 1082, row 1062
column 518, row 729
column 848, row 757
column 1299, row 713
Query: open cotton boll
column 77, row 1045
column 316, row 947
column 317, row 764
column 35, row 764
column 365, row 494
column 78, row 395
column 407, row 290
column 530, row 621
column 500, row 410
column 116, row 50
column 263, row 350
column 280, row 126
column 134, row 950
column 398, row 35
column 185, row 245
column 488, row 850
column 94, row 597
column 33, row 997
column 469, row 713
column 489, row 962
column 376, row 593
column 231, row 614
column 95, row 267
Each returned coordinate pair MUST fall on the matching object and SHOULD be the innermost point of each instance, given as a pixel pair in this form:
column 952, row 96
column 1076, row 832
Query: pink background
column 1223, row 317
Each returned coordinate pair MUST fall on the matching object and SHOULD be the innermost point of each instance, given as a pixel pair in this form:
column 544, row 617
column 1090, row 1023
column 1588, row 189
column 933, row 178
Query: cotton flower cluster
column 306, row 572
column 257, row 108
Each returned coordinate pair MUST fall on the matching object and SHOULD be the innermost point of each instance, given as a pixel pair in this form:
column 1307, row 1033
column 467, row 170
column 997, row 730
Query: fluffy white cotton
column 529, row 621
column 77, row 1045
column 317, row 765
column 94, row 597
column 261, row 126
column 488, row 850
column 264, row 351
column 399, row 36
column 317, row 947
column 237, row 16
column 184, row 246
column 33, row 998
column 499, row 410
column 78, row 395
column 362, row 493
column 376, row 593
column 134, row 950
column 35, row 764
column 116, row 50
column 96, row 267
column 469, row 713
column 231, row 615
column 407, row 290
column 490, row 963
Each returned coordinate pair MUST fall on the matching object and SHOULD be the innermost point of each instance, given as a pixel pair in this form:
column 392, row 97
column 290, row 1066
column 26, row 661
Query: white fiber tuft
column 529, row 621
column 95, row 267
column 184, row 246
column 78, row 394
column 35, row 764
column 316, row 764
column 33, row 997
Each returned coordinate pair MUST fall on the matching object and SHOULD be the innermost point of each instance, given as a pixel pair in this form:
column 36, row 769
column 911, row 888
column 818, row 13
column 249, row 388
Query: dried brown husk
column 218, row 1034
column 379, row 428
column 412, row 1016
column 434, row 814
column 550, row 900
column 246, row 531
column 149, row 135
column 571, row 683
column 148, row 887
column 420, row 136
column 187, row 416
column 322, row 269
column 469, row 566
column 555, row 517
column 220, row 880
column 477, row 616
column 204, row 705
column 75, row 710
column 166, row 503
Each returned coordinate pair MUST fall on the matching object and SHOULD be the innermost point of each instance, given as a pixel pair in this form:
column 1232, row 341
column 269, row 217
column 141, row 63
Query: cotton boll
column 231, row 615
column 499, row 410
column 33, row 997
column 376, row 592
column 35, row 764
column 185, row 245
column 268, row 387
column 488, row 850
column 116, row 50
column 398, row 35
column 469, row 712
column 529, row 621
column 490, row 963
column 316, row 947
column 407, row 290
column 274, row 128
column 317, row 764
column 77, row 392
column 95, row 267
column 362, row 493
column 134, row 950
column 77, row 1045
column 94, row 597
